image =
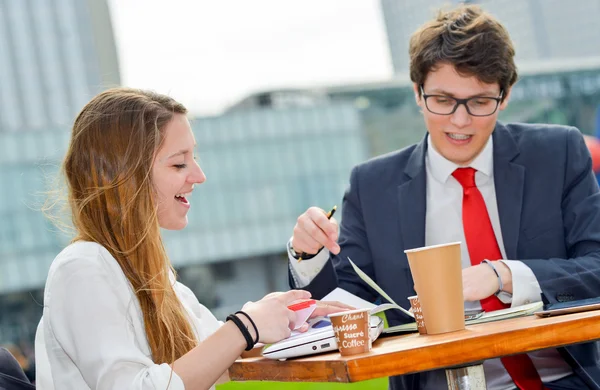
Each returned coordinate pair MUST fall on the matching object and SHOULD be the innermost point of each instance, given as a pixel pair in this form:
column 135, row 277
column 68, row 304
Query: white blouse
column 92, row 335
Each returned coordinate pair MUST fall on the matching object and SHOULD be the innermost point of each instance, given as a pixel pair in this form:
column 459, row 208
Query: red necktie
column 482, row 245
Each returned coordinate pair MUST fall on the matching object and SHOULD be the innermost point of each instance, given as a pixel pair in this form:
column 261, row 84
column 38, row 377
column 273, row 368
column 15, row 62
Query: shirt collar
column 441, row 168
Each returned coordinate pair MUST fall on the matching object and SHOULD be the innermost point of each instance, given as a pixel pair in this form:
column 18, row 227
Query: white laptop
column 318, row 338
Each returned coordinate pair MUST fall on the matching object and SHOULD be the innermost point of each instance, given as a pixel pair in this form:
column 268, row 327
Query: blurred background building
column 54, row 55
column 267, row 157
column 540, row 29
column 565, row 91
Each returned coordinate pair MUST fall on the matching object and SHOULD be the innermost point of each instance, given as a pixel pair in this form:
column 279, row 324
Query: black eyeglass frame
column 463, row 102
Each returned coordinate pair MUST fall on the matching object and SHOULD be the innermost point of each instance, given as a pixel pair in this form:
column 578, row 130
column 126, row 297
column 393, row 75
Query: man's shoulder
column 385, row 170
column 396, row 160
column 543, row 145
column 525, row 133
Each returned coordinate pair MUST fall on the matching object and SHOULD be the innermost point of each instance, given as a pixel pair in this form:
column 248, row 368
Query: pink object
column 303, row 310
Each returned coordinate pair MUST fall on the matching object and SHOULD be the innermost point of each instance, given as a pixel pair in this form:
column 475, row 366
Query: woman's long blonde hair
column 108, row 169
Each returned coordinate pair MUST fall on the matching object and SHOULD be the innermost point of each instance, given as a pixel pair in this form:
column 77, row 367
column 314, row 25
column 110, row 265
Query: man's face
column 458, row 137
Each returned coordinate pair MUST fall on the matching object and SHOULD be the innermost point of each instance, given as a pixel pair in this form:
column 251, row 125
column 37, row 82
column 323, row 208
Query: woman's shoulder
column 85, row 270
column 82, row 258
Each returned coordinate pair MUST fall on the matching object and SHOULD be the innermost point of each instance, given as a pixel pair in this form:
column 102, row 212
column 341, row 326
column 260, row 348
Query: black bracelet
column 249, row 342
column 252, row 322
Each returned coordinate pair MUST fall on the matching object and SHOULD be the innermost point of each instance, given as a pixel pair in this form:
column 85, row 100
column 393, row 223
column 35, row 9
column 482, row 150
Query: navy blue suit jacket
column 12, row 376
column 549, row 208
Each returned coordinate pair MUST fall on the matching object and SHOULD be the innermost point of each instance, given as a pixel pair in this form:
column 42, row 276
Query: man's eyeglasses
column 447, row 105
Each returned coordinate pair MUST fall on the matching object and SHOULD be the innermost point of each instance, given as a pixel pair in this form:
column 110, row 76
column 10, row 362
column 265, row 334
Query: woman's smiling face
column 175, row 172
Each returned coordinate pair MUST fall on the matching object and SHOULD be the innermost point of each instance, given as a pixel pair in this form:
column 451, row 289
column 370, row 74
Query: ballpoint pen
column 329, row 215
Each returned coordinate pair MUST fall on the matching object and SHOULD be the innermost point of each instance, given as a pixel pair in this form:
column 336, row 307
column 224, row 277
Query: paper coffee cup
column 418, row 313
column 351, row 330
column 437, row 274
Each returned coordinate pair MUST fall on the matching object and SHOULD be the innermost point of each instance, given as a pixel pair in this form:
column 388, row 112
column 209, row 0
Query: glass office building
column 54, row 55
column 264, row 167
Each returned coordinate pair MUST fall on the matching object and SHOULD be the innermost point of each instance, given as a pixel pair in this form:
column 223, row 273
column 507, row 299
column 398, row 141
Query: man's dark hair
column 468, row 38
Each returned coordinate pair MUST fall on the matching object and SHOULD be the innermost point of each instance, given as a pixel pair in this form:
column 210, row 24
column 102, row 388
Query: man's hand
column 313, row 231
column 480, row 281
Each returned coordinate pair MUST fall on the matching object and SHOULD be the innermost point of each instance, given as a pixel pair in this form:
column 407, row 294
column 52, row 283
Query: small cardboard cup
column 351, row 330
column 437, row 274
column 418, row 313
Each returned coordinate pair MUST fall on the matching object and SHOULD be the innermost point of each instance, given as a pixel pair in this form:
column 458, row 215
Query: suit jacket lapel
column 412, row 199
column 509, row 180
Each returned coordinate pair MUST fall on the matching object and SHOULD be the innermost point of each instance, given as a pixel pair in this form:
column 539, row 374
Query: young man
column 522, row 196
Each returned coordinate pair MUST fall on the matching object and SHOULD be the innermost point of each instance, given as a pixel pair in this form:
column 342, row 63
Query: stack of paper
column 511, row 312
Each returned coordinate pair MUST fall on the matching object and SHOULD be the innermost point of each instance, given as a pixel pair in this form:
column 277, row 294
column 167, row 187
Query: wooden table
column 412, row 353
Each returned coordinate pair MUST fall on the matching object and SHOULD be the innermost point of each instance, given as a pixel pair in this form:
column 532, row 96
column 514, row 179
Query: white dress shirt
column 92, row 333
column 443, row 216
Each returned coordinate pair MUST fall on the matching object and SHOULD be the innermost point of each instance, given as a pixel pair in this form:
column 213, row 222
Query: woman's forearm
column 201, row 367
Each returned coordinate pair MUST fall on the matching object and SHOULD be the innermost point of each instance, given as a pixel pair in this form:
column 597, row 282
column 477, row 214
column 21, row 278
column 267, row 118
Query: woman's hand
column 329, row 307
column 271, row 315
column 325, row 308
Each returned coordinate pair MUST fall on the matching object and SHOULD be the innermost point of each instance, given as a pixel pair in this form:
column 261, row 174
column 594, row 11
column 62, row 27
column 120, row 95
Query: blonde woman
column 114, row 315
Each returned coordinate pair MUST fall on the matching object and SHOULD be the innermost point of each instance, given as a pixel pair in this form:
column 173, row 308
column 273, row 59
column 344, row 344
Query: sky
column 209, row 54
